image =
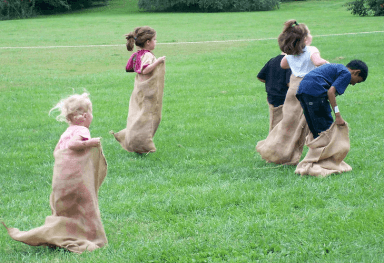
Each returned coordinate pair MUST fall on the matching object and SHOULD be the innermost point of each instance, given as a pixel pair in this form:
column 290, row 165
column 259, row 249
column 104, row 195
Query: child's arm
column 78, row 143
column 151, row 67
column 332, row 100
column 317, row 60
column 284, row 63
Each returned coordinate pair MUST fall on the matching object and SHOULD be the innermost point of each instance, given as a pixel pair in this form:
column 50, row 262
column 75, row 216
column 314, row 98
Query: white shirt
column 302, row 64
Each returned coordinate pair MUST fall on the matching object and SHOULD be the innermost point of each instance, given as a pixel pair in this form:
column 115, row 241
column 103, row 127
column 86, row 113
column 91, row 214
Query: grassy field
column 205, row 195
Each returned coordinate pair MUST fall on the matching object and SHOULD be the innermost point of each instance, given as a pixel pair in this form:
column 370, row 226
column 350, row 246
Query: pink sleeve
column 131, row 64
column 83, row 132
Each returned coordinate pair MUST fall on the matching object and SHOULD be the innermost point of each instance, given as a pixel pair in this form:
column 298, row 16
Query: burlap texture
column 75, row 223
column 144, row 113
column 326, row 153
column 275, row 116
column 284, row 144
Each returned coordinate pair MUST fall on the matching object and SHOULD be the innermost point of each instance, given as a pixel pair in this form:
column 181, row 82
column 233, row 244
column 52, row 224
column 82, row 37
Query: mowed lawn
column 205, row 195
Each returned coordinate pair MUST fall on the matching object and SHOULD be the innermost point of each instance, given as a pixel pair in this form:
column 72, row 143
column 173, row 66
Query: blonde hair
column 292, row 39
column 139, row 37
column 71, row 107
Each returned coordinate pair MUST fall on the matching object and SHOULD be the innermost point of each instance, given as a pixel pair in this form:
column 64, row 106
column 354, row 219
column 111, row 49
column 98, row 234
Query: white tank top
column 302, row 64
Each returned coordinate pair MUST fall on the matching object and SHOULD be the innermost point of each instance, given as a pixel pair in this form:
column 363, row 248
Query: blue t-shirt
column 318, row 81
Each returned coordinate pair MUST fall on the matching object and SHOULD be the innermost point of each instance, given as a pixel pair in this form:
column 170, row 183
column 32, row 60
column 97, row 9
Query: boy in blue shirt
column 319, row 88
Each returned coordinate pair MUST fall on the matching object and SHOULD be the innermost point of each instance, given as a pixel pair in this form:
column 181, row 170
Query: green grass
column 205, row 195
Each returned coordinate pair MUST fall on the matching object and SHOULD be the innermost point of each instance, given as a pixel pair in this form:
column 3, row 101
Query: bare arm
column 77, row 143
column 151, row 67
column 284, row 63
column 317, row 60
column 262, row 80
column 332, row 100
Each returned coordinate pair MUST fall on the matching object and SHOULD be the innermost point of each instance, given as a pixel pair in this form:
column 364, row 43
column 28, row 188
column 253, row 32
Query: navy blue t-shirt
column 276, row 78
column 318, row 81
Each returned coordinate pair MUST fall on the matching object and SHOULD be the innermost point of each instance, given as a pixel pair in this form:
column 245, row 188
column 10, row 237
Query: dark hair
column 139, row 36
column 292, row 39
column 358, row 64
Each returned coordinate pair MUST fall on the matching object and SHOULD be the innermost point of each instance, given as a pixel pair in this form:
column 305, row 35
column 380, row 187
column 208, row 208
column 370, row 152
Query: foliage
column 11, row 9
column 16, row 9
column 366, row 7
column 208, row 5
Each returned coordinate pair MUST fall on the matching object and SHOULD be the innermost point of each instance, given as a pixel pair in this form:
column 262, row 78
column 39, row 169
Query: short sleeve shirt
column 146, row 60
column 71, row 132
column 317, row 82
column 139, row 61
column 276, row 78
column 302, row 64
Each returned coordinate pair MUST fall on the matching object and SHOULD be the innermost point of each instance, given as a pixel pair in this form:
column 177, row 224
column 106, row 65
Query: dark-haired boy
column 319, row 88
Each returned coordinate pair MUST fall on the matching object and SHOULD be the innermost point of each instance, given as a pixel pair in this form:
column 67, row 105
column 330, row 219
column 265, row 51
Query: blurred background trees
column 17, row 9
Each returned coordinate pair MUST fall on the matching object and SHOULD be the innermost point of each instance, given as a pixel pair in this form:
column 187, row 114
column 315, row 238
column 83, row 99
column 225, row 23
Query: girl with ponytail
column 144, row 113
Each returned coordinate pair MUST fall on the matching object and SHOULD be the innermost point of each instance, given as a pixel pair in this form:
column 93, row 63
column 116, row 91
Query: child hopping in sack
column 145, row 104
column 328, row 142
column 79, row 171
column 276, row 82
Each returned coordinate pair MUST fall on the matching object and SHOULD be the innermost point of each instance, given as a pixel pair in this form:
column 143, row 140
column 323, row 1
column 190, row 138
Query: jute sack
column 326, row 153
column 75, row 223
column 144, row 113
column 275, row 116
column 284, row 144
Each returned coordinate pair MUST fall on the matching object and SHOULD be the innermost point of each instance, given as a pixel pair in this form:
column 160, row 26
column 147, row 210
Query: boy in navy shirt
column 319, row 88
column 276, row 82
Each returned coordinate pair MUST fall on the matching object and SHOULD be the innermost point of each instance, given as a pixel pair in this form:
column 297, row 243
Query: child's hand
column 161, row 59
column 340, row 121
column 94, row 142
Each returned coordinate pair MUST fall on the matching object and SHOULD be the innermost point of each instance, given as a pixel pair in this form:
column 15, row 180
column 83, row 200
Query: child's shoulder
column 312, row 49
column 148, row 54
column 148, row 57
column 77, row 130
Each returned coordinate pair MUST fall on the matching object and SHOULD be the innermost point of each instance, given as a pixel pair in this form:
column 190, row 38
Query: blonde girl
column 284, row 144
column 76, row 110
column 78, row 172
column 144, row 113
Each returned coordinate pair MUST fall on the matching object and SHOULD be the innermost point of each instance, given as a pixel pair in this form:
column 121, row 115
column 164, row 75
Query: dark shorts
column 317, row 112
column 276, row 101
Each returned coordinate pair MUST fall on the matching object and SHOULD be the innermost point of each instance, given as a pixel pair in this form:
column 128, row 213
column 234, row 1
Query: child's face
column 355, row 78
column 151, row 44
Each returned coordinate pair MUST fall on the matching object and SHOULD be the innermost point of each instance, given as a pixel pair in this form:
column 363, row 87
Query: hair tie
column 134, row 38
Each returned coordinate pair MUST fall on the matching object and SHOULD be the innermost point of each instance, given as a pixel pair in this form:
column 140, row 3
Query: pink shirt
column 135, row 64
column 71, row 132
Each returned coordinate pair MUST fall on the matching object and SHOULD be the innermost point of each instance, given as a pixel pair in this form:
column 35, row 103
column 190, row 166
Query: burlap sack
column 284, row 144
column 275, row 116
column 326, row 153
column 75, row 223
column 144, row 113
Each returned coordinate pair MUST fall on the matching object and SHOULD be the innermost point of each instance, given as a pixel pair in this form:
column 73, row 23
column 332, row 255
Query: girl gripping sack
column 79, row 171
column 144, row 113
